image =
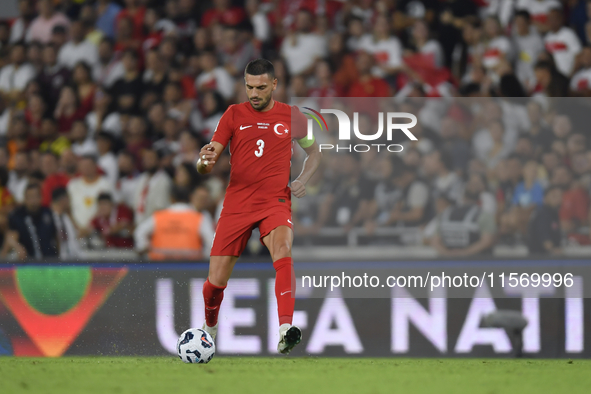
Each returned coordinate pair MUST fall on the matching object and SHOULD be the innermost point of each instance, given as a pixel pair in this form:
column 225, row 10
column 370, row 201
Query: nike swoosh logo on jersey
column 244, row 127
column 289, row 221
column 285, row 292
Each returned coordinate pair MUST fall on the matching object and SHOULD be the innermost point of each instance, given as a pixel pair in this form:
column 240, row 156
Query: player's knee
column 218, row 277
column 282, row 249
column 218, row 280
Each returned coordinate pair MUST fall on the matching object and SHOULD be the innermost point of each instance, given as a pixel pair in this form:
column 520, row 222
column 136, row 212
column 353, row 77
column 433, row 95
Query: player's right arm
column 221, row 137
column 208, row 156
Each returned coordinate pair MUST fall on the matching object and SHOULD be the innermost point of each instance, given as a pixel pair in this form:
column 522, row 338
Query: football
column 195, row 346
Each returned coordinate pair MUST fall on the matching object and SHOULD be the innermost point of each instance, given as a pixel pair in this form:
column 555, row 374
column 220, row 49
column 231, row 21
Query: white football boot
column 289, row 336
column 213, row 331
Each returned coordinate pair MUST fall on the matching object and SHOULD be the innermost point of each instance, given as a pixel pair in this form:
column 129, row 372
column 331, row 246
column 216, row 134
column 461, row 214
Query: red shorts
column 234, row 229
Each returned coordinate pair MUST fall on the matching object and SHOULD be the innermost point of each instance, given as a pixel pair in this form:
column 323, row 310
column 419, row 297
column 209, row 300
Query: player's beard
column 263, row 102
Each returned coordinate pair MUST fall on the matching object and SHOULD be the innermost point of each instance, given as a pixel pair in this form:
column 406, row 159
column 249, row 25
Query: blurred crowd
column 483, row 172
column 104, row 106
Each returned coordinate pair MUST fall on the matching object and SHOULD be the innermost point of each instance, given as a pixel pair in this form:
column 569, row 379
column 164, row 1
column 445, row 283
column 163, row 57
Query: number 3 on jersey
column 261, row 145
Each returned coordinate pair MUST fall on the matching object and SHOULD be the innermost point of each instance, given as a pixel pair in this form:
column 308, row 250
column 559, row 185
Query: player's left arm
column 311, row 163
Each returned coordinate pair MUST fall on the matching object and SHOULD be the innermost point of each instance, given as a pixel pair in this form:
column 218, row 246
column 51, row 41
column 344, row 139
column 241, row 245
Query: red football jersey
column 260, row 149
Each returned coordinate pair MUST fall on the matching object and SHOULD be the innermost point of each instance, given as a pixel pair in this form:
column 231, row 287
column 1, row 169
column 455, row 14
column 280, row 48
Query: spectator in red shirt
column 187, row 80
column 574, row 209
column 125, row 38
column 135, row 138
column 54, row 178
column 341, row 62
column 134, row 11
column 68, row 109
column 154, row 31
column 6, row 200
column 223, row 13
column 114, row 223
column 324, row 86
column 85, row 87
column 367, row 85
column 34, row 113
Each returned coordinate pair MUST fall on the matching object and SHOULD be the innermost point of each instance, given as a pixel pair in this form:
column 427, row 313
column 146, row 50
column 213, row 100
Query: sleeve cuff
column 305, row 142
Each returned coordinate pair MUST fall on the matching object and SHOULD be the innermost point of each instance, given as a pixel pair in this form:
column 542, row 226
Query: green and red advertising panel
column 95, row 309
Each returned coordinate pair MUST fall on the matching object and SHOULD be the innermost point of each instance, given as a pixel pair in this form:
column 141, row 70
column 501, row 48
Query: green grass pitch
column 167, row 375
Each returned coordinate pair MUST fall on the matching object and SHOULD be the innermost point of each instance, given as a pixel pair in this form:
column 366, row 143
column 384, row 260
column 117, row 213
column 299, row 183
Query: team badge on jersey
column 280, row 129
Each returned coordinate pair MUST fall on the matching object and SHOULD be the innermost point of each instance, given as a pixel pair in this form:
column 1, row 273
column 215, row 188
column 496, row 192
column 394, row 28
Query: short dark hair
column 353, row 18
column 446, row 160
column 20, row 44
column 36, row 175
column 104, row 197
column 155, row 10
column 85, row 66
column 473, row 21
column 550, row 189
column 563, row 167
column 191, row 134
column 544, row 65
column 219, row 101
column 259, row 67
column 152, row 149
column 180, row 194
column 469, row 88
column 51, row 45
column 35, row 44
column 524, row 14
column 80, row 121
column 58, row 193
column 89, row 156
column 400, row 168
column 49, row 118
column 510, row 86
column 482, row 178
column 59, row 29
column 50, row 153
column 34, row 185
column 3, row 176
column 130, row 52
column 525, row 137
column 103, row 135
column 127, row 153
column 194, row 178
column 107, row 40
column 177, row 85
column 514, row 156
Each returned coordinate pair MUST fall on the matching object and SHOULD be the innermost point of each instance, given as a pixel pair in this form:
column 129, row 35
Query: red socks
column 213, row 296
column 285, row 289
